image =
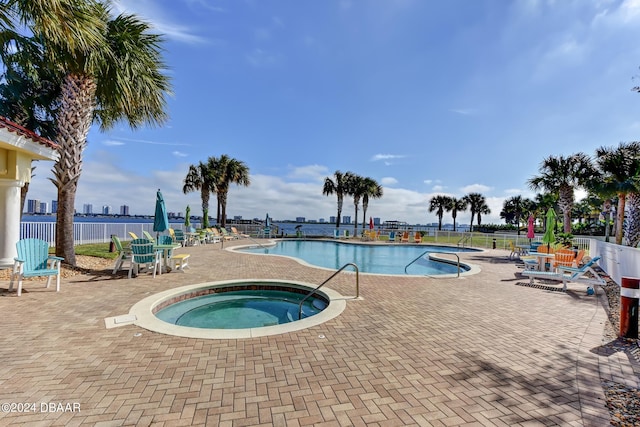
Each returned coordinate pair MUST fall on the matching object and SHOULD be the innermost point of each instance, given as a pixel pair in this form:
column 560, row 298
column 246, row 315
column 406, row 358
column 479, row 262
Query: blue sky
column 426, row 97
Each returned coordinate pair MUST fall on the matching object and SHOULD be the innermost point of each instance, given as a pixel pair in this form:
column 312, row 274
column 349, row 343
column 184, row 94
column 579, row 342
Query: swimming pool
column 243, row 308
column 370, row 258
column 186, row 312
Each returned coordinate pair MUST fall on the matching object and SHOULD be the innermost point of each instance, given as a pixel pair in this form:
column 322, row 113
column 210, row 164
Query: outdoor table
column 542, row 259
column 166, row 248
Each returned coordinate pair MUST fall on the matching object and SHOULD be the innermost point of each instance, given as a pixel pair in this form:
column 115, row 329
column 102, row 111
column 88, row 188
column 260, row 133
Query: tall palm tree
column 476, row 202
column 483, row 210
column 200, row 178
column 227, row 171
column 438, row 204
column 455, row 206
column 112, row 71
column 337, row 186
column 562, row 175
column 618, row 166
column 371, row 189
column 514, row 210
column 632, row 230
column 355, row 188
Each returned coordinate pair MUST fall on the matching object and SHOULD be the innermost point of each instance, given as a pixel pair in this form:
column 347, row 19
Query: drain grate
column 539, row 286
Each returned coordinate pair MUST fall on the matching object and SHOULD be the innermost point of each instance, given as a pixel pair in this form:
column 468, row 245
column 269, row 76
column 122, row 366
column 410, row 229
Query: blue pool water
column 381, row 259
column 240, row 309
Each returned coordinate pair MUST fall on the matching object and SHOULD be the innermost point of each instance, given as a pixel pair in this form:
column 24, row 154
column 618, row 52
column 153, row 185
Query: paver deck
column 478, row 350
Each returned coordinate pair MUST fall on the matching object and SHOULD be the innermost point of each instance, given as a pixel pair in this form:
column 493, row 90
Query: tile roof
column 20, row 130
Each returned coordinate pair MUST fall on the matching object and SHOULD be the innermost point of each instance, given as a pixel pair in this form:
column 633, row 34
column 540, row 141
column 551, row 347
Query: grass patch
column 100, row 250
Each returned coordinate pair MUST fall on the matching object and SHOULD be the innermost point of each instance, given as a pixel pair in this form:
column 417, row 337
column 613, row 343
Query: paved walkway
column 478, row 350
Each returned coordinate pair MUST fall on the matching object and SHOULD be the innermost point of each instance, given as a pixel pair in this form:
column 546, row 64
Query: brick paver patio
column 478, row 350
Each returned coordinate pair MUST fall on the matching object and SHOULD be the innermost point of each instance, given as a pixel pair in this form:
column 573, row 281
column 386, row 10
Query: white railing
column 618, row 261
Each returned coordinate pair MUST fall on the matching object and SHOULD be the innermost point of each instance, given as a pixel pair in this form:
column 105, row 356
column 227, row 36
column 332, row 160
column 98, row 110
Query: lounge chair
column 148, row 236
column 516, row 251
column 124, row 254
column 336, row 233
column 178, row 236
column 417, row 237
column 405, row 237
column 133, row 235
column 392, row 236
column 34, row 260
column 226, row 235
column 235, row 232
column 143, row 253
column 563, row 257
column 569, row 274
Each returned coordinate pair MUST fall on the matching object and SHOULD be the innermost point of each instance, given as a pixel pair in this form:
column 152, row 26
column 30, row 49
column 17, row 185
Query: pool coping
column 473, row 268
column 144, row 317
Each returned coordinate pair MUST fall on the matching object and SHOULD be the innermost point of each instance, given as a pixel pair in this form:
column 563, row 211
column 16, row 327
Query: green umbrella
column 160, row 220
column 187, row 215
column 549, row 236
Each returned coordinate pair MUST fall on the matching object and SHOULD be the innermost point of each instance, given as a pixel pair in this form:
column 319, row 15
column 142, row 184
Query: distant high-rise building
column 124, row 210
column 33, row 206
column 321, row 220
column 43, row 207
column 346, row 219
column 376, row 221
column 106, row 210
column 87, row 209
column 300, row 219
column 332, row 219
column 54, row 206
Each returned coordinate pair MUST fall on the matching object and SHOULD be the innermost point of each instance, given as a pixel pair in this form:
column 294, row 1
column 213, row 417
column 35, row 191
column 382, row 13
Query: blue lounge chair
column 569, row 274
column 33, row 260
column 392, row 236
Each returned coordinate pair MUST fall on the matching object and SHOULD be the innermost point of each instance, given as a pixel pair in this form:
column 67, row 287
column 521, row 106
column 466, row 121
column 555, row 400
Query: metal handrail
column 464, row 238
column 432, row 252
column 325, row 282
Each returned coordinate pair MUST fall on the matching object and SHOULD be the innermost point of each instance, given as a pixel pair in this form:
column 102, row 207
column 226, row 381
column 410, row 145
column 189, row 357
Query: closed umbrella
column 549, row 235
column 187, row 217
column 160, row 220
column 370, row 223
column 530, row 228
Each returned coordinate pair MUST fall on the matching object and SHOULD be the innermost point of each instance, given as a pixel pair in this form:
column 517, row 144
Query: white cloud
column 388, row 181
column 179, row 154
column 438, row 188
column 313, row 172
column 476, row 188
column 112, row 142
column 378, row 157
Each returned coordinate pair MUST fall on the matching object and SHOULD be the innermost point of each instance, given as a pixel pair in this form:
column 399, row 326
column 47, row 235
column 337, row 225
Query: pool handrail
column 313, row 291
column 432, row 252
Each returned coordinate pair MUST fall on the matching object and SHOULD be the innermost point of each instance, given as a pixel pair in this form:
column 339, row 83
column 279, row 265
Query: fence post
column 629, row 294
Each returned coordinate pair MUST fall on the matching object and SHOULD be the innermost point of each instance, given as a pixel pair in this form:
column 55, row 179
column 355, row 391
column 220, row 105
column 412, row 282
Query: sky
column 426, row 97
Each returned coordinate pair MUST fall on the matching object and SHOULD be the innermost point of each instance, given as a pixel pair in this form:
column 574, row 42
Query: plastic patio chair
column 34, row 260
column 143, row 253
column 124, row 254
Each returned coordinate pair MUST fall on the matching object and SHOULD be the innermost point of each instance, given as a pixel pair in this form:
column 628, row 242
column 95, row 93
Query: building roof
column 20, row 130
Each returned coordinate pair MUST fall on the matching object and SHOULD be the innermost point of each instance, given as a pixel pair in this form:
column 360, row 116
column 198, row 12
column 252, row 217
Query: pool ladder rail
column 431, row 252
column 350, row 264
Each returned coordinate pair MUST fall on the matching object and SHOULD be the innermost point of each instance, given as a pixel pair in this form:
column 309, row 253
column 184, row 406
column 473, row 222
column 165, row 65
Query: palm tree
column 371, row 189
column 476, row 202
column 337, row 186
column 439, row 204
column 562, row 175
column 483, row 210
column 632, row 230
column 514, row 210
column 200, row 178
column 226, row 171
column 111, row 69
column 455, row 206
column 618, row 166
column 355, row 188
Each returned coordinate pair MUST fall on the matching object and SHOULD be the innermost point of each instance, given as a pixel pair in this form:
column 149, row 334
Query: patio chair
column 405, row 237
column 148, row 236
column 516, row 251
column 569, row 274
column 235, row 232
column 34, row 260
column 392, row 236
column 417, row 237
column 179, row 236
column 124, row 254
column 143, row 253
column 133, row 235
column 563, row 257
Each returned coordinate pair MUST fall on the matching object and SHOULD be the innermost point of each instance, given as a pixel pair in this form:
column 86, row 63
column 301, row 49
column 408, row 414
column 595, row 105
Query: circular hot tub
column 237, row 309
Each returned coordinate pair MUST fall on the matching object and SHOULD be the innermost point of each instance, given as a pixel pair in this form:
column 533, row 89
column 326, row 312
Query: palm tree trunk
column 340, row 201
column 633, row 220
column 223, row 208
column 74, row 121
column 620, row 217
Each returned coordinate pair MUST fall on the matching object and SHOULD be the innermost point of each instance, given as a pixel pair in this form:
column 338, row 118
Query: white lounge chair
column 569, row 274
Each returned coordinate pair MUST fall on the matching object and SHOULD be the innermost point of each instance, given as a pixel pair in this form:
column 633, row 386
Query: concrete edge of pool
column 472, row 268
column 146, row 319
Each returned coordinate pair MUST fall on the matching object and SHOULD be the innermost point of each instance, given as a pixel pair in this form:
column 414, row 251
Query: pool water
column 380, row 259
column 240, row 309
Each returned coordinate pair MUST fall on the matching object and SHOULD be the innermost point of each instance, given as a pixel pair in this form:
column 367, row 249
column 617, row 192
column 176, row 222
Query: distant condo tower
column 87, row 208
column 124, row 210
